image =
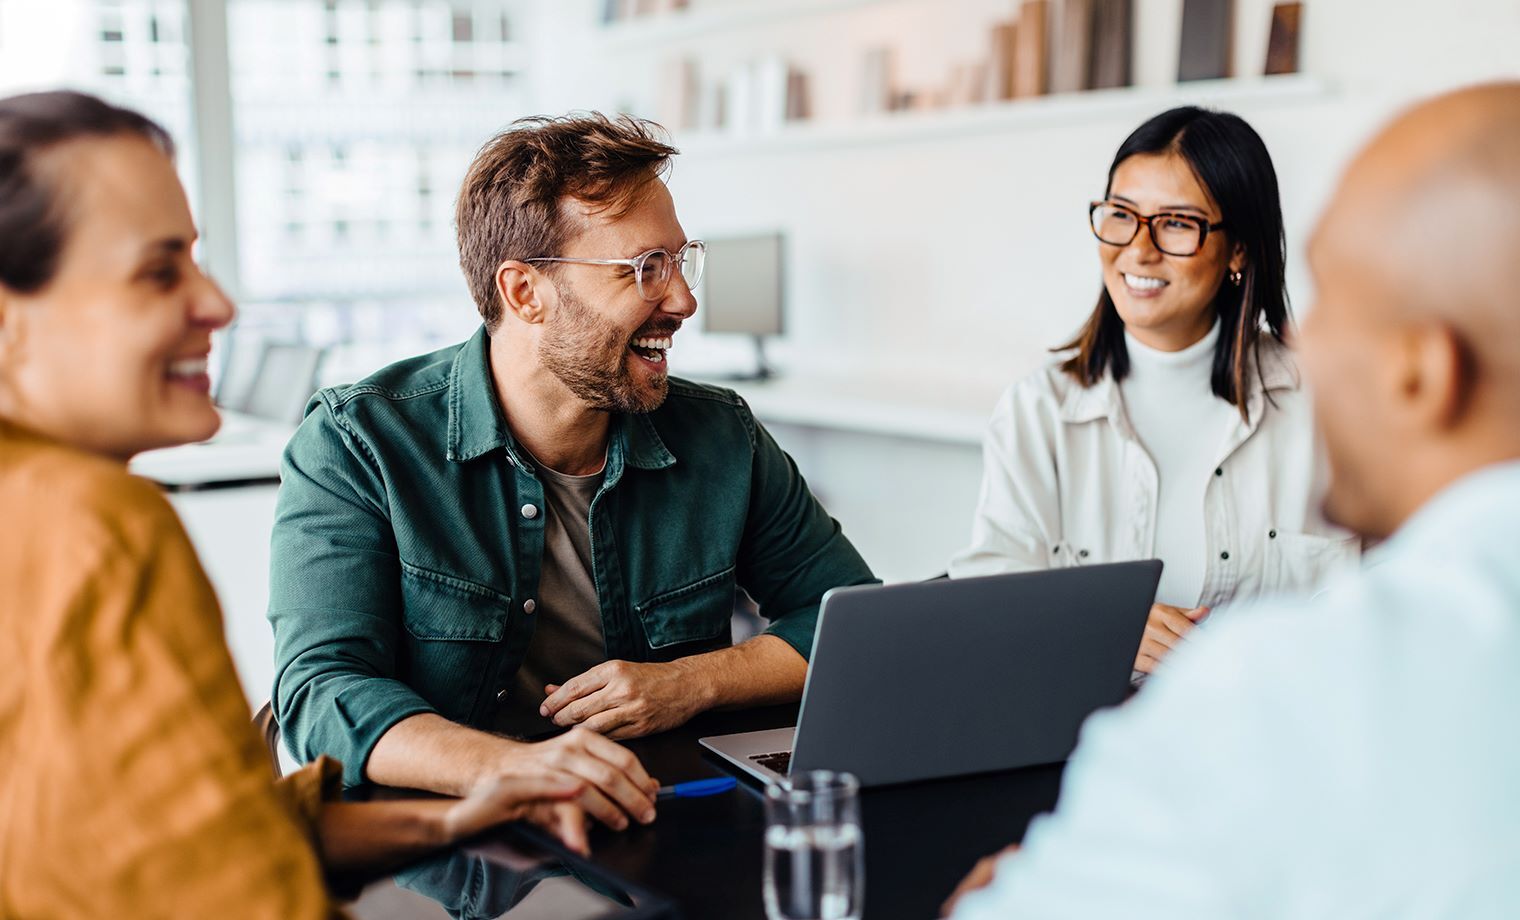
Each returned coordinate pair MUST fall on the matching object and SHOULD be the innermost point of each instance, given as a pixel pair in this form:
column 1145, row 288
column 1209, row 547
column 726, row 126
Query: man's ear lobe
column 517, row 288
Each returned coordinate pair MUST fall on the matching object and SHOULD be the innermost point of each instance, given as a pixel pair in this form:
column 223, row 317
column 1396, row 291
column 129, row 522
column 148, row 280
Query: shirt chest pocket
column 1305, row 562
column 451, row 630
column 689, row 619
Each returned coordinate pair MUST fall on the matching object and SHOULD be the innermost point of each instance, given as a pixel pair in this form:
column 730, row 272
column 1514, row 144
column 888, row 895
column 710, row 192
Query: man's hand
column 427, row 751
column 979, row 878
column 615, row 783
column 1164, row 630
column 624, row 699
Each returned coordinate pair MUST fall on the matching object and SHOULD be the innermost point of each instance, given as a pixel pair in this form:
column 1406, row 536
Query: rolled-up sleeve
column 792, row 551
column 335, row 600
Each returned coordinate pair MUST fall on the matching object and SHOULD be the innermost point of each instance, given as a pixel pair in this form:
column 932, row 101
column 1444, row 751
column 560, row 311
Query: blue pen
column 698, row 787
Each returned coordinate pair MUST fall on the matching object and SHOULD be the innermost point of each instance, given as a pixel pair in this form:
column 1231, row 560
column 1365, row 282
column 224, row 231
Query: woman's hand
column 370, row 837
column 1165, row 629
column 547, row 801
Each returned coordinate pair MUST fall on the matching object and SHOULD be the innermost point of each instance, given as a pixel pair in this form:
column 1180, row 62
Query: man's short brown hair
column 510, row 206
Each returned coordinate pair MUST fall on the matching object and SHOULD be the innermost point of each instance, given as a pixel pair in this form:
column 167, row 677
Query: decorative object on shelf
column 1207, row 40
column 1031, row 58
column 756, row 97
column 1282, row 46
column 878, row 89
column 1112, row 38
column 1071, row 62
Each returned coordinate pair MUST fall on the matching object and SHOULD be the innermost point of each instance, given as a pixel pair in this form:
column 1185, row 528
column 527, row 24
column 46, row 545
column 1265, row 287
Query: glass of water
column 814, row 854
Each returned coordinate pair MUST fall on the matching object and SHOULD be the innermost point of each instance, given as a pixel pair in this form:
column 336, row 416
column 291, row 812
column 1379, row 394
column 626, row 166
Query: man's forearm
column 427, row 751
column 761, row 671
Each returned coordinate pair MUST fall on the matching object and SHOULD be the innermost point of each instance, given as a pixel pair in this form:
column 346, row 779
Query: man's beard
column 589, row 355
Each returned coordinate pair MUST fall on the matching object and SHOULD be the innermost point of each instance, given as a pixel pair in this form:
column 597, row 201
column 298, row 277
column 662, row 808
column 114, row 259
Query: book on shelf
column 1031, row 59
column 1282, row 46
column 1112, row 37
column 799, row 103
column 1071, row 56
column 680, row 94
column 1003, row 47
column 1207, row 39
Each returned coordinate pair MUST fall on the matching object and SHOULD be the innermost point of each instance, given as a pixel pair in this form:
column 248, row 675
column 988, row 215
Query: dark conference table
column 705, row 854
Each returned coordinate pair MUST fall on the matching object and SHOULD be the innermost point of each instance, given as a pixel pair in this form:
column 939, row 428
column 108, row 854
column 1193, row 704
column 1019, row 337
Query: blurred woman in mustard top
column 131, row 781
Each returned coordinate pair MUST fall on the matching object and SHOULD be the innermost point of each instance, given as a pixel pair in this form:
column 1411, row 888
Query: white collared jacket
column 1066, row 482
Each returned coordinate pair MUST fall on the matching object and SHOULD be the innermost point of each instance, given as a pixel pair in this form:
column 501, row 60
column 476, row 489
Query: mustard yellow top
column 132, row 783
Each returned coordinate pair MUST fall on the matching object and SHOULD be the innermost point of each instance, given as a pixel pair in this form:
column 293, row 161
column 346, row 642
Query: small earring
column 1235, row 278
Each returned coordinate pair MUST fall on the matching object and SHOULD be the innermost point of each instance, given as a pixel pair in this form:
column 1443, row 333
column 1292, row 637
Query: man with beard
column 539, row 528
column 1353, row 755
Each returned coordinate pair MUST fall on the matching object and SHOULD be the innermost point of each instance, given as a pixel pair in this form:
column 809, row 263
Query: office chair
column 264, row 721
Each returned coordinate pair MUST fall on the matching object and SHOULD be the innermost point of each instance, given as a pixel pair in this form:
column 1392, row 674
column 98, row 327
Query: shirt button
column 1218, row 471
column 530, row 511
column 1271, row 535
column 1225, row 555
column 1082, row 553
column 530, row 605
column 502, row 694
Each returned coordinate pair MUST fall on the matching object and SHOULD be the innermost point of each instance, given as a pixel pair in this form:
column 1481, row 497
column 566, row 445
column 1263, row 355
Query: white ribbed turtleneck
column 1181, row 423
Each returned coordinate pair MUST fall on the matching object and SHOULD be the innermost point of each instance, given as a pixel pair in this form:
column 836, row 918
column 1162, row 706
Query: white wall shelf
column 1007, row 117
column 663, row 30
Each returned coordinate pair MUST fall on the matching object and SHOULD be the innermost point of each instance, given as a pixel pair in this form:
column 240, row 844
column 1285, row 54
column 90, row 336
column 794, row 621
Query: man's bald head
column 1413, row 344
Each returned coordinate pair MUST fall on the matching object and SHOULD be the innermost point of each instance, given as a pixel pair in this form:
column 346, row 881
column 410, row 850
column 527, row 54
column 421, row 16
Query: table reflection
column 510, row 876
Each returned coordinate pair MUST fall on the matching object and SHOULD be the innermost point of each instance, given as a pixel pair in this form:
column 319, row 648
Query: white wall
column 950, row 249
column 969, row 253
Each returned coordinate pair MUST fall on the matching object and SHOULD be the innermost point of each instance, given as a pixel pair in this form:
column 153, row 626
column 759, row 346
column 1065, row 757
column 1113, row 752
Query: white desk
column 246, row 451
column 896, row 460
column 946, row 412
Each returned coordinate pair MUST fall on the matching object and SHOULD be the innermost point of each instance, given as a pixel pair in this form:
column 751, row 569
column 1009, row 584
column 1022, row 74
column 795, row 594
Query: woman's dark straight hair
column 33, row 219
column 1232, row 163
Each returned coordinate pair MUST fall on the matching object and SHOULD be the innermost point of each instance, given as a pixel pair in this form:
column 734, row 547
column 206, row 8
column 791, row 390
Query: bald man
column 1355, row 755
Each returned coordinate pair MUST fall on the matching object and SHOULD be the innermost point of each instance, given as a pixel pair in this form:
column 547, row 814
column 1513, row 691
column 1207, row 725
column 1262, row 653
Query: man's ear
column 517, row 287
column 1436, row 382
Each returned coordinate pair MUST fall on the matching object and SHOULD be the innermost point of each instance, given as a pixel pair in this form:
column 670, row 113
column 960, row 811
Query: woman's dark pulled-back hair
column 33, row 221
column 1232, row 163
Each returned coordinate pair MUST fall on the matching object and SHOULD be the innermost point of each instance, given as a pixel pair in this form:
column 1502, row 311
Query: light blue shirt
column 1355, row 755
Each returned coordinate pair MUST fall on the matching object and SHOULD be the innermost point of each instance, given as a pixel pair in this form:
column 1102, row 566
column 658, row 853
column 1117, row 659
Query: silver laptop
column 957, row 676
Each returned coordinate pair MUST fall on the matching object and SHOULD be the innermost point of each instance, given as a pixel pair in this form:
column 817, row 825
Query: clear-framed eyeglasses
column 652, row 270
column 1173, row 234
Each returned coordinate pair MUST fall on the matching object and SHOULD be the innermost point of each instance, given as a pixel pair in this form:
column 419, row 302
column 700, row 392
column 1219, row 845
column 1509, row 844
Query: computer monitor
column 742, row 290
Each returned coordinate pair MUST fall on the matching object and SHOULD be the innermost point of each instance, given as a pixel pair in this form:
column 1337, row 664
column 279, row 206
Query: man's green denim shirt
column 409, row 538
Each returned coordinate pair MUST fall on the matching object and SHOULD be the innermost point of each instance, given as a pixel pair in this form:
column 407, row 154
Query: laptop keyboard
column 778, row 761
